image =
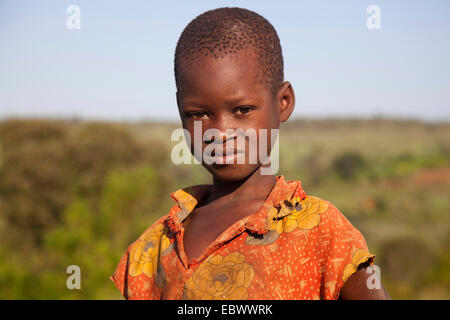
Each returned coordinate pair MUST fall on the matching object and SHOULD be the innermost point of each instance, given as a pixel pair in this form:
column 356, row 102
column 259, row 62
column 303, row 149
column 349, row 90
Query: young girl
column 249, row 235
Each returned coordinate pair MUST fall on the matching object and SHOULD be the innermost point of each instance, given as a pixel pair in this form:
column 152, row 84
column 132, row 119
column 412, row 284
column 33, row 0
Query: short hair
column 224, row 31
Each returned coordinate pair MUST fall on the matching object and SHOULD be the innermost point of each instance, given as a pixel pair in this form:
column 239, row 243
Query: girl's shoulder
column 329, row 222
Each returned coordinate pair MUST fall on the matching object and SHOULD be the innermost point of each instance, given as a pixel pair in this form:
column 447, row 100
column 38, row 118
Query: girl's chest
column 205, row 225
column 241, row 271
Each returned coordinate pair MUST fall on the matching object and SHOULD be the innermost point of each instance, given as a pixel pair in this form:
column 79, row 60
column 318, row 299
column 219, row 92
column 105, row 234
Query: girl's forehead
column 232, row 75
column 232, row 66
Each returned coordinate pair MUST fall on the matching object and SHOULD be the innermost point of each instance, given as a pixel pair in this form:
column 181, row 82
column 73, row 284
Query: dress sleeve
column 346, row 250
column 139, row 274
column 119, row 276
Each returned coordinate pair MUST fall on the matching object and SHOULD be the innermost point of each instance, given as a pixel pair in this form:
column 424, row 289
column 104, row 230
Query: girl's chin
column 232, row 172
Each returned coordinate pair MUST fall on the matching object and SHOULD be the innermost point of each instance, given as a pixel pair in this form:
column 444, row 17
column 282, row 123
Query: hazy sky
column 119, row 65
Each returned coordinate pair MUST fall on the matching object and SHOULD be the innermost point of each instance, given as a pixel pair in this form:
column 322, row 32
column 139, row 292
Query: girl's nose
column 222, row 129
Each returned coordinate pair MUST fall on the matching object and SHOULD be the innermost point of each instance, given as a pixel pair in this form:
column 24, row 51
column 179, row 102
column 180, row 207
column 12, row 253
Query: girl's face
column 224, row 93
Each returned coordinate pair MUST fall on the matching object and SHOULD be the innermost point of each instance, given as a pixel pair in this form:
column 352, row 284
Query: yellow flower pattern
column 147, row 250
column 220, row 278
column 303, row 214
column 187, row 203
column 358, row 257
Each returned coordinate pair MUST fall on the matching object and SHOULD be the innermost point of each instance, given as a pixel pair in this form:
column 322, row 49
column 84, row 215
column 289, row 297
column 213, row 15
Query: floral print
column 303, row 214
column 296, row 246
column 220, row 278
column 145, row 253
column 359, row 256
column 289, row 215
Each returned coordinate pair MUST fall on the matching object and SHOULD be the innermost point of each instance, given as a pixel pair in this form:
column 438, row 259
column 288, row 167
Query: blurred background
column 86, row 117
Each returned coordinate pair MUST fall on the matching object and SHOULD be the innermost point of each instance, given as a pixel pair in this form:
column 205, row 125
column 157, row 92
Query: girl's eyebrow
column 232, row 101
column 238, row 100
column 194, row 103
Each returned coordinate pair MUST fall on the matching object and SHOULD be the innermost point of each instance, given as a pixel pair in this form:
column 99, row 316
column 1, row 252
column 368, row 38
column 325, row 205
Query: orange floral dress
column 294, row 247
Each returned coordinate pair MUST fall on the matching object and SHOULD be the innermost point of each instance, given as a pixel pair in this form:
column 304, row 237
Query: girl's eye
column 243, row 110
column 197, row 115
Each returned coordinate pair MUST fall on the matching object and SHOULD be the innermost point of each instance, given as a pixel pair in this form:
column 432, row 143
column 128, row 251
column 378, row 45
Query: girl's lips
column 229, row 157
column 224, row 153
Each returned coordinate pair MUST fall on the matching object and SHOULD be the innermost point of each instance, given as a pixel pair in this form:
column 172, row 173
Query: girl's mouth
column 227, row 156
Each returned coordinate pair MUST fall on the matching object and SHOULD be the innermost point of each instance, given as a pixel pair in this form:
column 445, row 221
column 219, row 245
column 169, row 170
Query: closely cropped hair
column 224, row 31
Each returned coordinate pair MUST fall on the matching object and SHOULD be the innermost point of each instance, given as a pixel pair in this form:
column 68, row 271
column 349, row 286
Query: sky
column 119, row 64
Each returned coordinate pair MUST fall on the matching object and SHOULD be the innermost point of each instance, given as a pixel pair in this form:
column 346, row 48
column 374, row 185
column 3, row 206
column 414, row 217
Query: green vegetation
column 74, row 192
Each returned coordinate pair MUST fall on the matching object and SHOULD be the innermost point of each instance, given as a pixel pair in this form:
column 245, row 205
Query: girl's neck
column 253, row 186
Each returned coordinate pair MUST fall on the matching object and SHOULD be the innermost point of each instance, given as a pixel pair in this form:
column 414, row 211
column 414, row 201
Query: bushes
column 95, row 239
column 349, row 164
column 73, row 193
column 35, row 181
column 406, row 259
column 413, row 270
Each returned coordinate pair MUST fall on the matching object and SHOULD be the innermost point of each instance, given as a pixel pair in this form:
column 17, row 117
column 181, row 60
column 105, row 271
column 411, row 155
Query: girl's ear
column 286, row 100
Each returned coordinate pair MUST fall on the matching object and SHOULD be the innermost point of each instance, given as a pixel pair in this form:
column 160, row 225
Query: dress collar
column 188, row 198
